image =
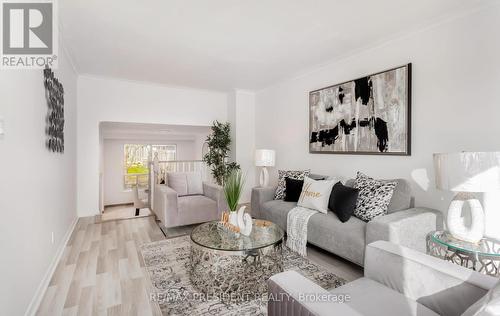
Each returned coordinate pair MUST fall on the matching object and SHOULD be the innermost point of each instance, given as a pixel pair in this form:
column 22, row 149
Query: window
column 136, row 162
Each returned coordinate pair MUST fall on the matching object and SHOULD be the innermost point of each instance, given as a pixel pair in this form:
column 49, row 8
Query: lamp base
column 264, row 177
column 454, row 221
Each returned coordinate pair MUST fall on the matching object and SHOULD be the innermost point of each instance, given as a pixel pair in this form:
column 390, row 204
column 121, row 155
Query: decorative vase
column 244, row 221
column 233, row 218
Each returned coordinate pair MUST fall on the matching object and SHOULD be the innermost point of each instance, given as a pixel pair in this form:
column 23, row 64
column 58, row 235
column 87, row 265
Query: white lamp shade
column 265, row 158
column 468, row 171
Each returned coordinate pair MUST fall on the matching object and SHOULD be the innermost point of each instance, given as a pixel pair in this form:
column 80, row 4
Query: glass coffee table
column 235, row 267
column 483, row 256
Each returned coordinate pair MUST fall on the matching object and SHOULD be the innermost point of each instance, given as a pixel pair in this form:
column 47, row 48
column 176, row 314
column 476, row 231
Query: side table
column 483, row 257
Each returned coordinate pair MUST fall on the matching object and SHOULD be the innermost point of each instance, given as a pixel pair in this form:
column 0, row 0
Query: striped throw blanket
column 296, row 225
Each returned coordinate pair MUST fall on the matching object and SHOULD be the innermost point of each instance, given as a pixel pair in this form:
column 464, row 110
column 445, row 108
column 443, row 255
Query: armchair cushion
column 185, row 183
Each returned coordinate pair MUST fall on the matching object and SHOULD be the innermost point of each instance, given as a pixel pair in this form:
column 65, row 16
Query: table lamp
column 467, row 173
column 264, row 158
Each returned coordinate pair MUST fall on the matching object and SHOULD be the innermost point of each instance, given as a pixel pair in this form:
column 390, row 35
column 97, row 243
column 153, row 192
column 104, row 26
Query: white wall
column 114, row 193
column 38, row 187
column 241, row 115
column 455, row 106
column 111, row 100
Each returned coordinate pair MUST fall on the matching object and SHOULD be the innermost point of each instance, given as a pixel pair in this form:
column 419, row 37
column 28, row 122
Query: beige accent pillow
column 316, row 194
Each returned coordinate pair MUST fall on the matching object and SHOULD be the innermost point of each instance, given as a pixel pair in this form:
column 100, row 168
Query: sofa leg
column 137, row 212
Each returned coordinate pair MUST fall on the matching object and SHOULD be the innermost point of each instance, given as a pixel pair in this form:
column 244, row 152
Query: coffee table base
column 234, row 275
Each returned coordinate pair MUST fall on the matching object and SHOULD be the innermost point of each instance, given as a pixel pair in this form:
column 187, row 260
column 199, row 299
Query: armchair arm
column 444, row 287
column 165, row 205
column 214, row 192
column 290, row 293
column 259, row 196
column 407, row 228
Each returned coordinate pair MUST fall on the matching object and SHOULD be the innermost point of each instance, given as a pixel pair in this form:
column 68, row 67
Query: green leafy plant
column 233, row 186
column 218, row 152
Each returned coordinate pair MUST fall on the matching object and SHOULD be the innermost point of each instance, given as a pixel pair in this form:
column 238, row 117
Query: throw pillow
column 293, row 189
column 374, row 197
column 315, row 194
column 282, row 174
column 343, row 201
column 488, row 305
column 178, row 182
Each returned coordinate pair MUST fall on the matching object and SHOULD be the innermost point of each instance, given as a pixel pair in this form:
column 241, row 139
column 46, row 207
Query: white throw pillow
column 488, row 305
column 316, row 194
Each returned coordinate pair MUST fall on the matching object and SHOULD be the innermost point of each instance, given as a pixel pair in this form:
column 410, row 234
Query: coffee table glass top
column 211, row 235
column 486, row 247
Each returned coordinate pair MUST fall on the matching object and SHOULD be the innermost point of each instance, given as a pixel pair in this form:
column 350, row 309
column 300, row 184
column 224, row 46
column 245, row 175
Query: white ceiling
column 225, row 44
column 118, row 130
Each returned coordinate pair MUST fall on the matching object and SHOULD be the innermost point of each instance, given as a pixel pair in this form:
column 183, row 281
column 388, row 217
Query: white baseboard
column 42, row 288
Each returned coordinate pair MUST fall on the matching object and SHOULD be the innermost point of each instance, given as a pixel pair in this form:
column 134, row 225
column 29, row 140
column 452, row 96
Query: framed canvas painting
column 370, row 115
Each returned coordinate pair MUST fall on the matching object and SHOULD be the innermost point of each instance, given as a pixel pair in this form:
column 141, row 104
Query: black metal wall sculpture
column 54, row 93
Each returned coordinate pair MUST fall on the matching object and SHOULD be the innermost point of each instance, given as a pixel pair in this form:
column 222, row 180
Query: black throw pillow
column 293, row 189
column 343, row 201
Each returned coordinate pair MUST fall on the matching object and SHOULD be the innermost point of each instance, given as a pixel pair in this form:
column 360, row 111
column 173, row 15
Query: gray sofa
column 397, row 281
column 402, row 225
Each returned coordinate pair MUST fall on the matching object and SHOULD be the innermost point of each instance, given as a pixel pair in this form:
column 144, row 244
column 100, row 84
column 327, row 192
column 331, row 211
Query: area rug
column 167, row 262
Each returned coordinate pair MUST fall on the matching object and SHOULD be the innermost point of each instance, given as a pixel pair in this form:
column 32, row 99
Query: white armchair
column 398, row 281
column 174, row 210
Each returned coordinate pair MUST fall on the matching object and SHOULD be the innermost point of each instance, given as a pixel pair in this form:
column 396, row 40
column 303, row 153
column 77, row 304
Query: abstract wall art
column 54, row 130
column 369, row 115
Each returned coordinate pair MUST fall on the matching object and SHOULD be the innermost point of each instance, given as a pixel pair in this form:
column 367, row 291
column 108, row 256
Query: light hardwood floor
column 102, row 271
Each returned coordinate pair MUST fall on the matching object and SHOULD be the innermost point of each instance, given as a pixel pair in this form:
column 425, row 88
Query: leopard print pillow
column 282, row 174
column 374, row 197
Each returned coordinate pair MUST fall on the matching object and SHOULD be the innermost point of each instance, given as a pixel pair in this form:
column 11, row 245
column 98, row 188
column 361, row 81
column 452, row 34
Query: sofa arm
column 259, row 196
column 444, row 287
column 407, row 228
column 215, row 192
column 290, row 293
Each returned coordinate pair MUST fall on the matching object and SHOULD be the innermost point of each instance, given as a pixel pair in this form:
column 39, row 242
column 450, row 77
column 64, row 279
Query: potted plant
column 219, row 143
column 233, row 186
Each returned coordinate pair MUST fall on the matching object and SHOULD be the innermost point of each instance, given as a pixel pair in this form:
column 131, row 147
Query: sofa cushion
column 401, row 197
column 368, row 297
column 324, row 230
column 346, row 240
column 276, row 211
